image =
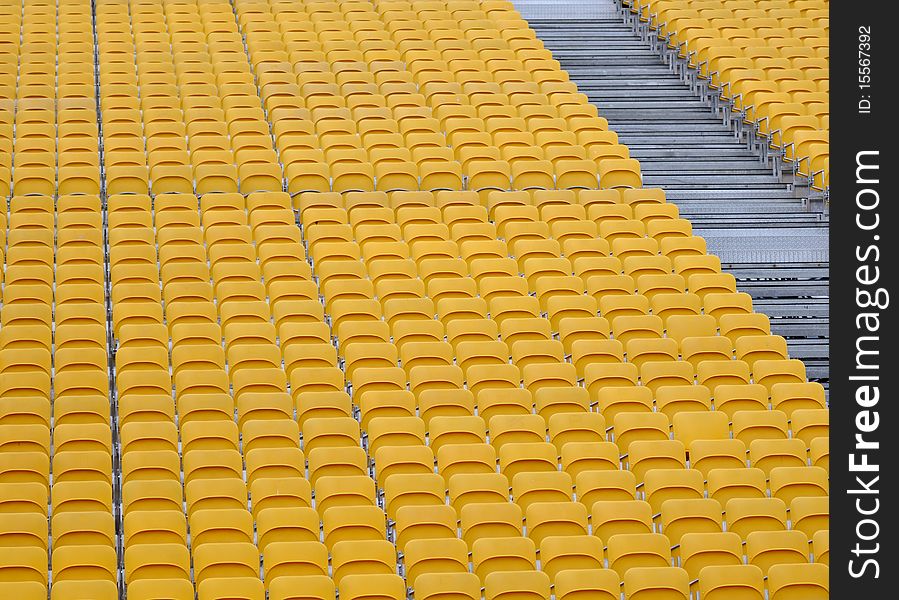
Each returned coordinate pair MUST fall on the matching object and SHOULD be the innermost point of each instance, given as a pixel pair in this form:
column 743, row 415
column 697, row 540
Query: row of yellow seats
column 783, row 8
column 156, row 531
column 706, row 52
column 68, row 111
column 728, row 388
column 72, row 82
column 757, row 64
column 515, row 220
column 36, row 45
column 547, row 515
column 627, row 317
column 551, row 207
column 498, row 524
column 764, row 108
column 410, row 179
column 755, row 511
column 565, row 413
column 702, row 42
column 352, row 169
column 735, row 73
column 324, row 13
column 323, row 9
column 211, row 164
column 151, row 458
column 677, row 22
column 252, row 16
column 594, row 466
column 83, row 545
column 43, row 173
column 656, row 309
column 732, row 391
column 438, row 39
column 592, row 471
column 629, row 407
column 15, row 10
column 532, row 315
column 465, row 476
column 559, row 98
column 336, row 208
column 769, row 19
column 486, row 524
column 658, row 467
column 375, row 45
column 365, row 478
column 697, row 39
column 606, row 584
column 233, row 267
column 200, row 399
column 785, row 579
column 28, row 93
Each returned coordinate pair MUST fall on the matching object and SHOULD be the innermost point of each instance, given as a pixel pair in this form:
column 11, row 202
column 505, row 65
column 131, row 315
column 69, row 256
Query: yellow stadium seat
column 721, row 581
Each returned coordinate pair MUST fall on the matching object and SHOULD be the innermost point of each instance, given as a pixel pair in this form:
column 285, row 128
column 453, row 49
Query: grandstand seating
column 766, row 64
column 308, row 297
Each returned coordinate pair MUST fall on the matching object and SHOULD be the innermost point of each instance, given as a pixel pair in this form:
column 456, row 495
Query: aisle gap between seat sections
column 117, row 511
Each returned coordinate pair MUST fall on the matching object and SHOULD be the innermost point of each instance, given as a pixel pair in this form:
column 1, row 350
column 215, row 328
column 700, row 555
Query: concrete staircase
column 763, row 231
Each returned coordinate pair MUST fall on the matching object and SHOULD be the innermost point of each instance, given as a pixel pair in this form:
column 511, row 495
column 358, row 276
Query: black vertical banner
column 863, row 265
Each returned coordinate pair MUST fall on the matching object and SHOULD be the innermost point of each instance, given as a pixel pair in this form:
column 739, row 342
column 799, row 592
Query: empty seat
column 650, row 582
column 566, row 553
column 461, row 586
column 492, row 555
column 544, row 519
column 612, row 517
column 372, row 586
column 507, row 585
column 629, row 550
column 602, row 584
column 717, row 582
column 744, row 515
column 787, row 581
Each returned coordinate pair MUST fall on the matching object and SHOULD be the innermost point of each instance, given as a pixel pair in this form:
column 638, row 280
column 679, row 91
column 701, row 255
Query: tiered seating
column 54, row 381
column 51, row 106
column 67, row 319
column 390, row 309
column 767, row 61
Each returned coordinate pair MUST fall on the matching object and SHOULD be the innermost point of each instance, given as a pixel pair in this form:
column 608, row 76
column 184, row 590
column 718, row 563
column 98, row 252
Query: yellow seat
column 494, row 555
column 526, row 585
column 649, row 582
column 459, row 586
column 744, row 515
column 626, row 551
column 432, row 556
column 372, row 586
column 602, row 584
column 717, row 582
